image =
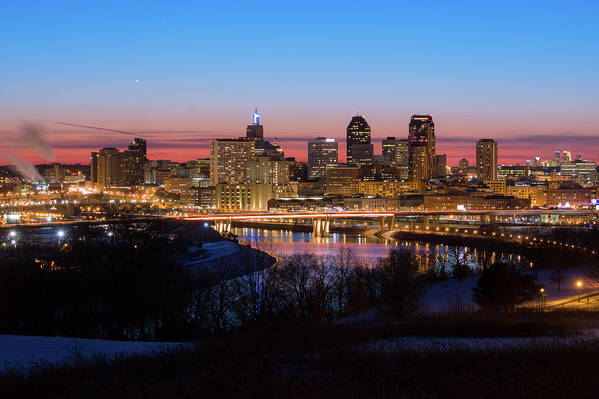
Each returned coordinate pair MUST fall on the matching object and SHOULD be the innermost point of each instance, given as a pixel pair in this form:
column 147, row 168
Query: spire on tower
column 256, row 117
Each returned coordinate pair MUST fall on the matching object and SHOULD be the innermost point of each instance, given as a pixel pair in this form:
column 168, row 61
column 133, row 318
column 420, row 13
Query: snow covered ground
column 25, row 352
column 589, row 336
column 452, row 294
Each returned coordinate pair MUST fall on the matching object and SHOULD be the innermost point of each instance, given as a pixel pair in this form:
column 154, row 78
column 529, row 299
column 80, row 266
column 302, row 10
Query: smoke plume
column 31, row 137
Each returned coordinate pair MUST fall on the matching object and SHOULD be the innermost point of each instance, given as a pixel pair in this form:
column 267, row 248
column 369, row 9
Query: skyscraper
column 567, row 156
column 138, row 144
column 422, row 147
column 108, row 167
column 486, row 159
column 395, row 152
column 321, row 152
column 93, row 167
column 359, row 149
column 255, row 131
column 131, row 168
column 228, row 158
column 441, row 165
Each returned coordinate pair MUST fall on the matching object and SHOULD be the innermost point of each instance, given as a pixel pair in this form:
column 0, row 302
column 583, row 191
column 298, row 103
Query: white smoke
column 24, row 168
column 31, row 137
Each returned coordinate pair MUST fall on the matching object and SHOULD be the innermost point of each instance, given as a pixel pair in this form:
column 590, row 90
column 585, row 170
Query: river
column 367, row 249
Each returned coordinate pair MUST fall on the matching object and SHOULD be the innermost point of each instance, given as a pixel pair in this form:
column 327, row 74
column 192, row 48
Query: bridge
column 321, row 221
column 386, row 220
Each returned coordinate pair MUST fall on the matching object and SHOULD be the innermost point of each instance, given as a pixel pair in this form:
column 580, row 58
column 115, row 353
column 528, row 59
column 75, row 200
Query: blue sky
column 481, row 68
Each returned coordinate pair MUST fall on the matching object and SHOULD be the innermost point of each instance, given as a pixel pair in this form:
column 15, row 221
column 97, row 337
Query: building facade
column 360, row 151
column 421, row 147
column 322, row 152
column 486, row 159
column 228, row 158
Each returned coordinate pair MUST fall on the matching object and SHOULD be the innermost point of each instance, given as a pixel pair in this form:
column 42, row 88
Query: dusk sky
column 181, row 73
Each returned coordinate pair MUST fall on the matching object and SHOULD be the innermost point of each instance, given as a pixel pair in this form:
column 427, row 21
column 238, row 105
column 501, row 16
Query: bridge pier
column 320, row 227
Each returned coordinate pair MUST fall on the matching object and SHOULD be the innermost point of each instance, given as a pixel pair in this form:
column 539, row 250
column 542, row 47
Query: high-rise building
column 567, row 156
column 359, row 149
column 395, row 152
column 321, row 153
column 463, row 166
column 139, row 144
column 556, row 159
column 131, row 168
column 441, row 165
column 422, row 147
column 228, row 158
column 266, row 171
column 93, row 167
column 298, row 170
column 255, row 131
column 537, row 161
column 108, row 167
column 486, row 159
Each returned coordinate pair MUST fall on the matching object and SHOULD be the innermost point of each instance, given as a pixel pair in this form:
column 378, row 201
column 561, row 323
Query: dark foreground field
column 310, row 360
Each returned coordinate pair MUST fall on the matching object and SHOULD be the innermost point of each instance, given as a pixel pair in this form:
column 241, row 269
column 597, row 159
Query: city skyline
column 74, row 146
column 180, row 75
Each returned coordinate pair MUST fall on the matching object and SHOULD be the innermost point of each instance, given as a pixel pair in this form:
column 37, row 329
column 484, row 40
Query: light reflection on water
column 367, row 248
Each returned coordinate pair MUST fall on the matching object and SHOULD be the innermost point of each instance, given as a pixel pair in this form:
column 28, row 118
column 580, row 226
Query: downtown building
column 322, row 153
column 228, row 159
column 421, row 147
column 486, row 159
column 360, row 151
column 396, row 154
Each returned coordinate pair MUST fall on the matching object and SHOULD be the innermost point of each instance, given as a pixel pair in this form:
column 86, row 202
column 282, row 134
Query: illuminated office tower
column 537, row 161
column 139, row 144
column 395, row 152
column 556, row 158
column 228, row 158
column 93, row 167
column 441, row 165
column 486, row 159
column 131, row 168
column 255, row 131
column 108, row 167
column 264, row 170
column 567, row 157
column 421, row 147
column 322, row 152
column 359, row 149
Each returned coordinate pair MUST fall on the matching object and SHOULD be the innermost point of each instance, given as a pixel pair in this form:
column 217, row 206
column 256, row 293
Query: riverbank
column 527, row 246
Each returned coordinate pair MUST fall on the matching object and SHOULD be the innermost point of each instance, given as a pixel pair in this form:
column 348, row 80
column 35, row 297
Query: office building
column 131, row 168
column 486, row 159
column 359, row 149
column 108, row 167
column 228, row 158
column 93, row 167
column 139, row 144
column 322, row 152
column 343, row 180
column 266, row 171
column 440, row 166
column 199, row 167
column 582, row 172
column 255, row 131
column 395, row 152
column 421, row 147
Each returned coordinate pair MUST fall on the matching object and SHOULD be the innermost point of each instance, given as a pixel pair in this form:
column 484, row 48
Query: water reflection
column 369, row 249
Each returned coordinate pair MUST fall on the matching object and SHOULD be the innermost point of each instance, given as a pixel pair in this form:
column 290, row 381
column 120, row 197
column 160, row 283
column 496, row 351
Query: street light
column 578, row 287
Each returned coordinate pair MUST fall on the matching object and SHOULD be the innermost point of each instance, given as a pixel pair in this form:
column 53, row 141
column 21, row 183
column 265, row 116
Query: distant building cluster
column 250, row 173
